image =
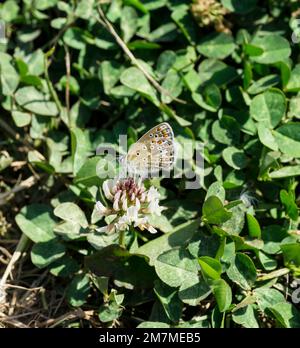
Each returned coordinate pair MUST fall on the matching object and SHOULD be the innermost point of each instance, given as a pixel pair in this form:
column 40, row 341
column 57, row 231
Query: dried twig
column 13, row 322
column 13, row 303
column 22, row 245
column 35, row 284
column 9, row 241
column 73, row 315
column 25, row 184
column 108, row 26
column 22, row 287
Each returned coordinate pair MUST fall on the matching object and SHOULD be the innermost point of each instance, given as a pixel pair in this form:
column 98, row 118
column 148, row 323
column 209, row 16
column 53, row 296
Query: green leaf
column 285, row 72
column 80, row 148
column 35, row 63
column 182, row 17
column 71, row 212
column 44, row 253
column 234, row 157
column 161, row 222
column 153, row 325
column 291, row 254
column 169, row 299
column 126, row 269
column 268, row 263
column 268, row 108
column 193, row 324
column 179, row 236
column 216, row 45
column 110, row 72
column 109, row 312
column 210, row 267
column 68, row 230
column 272, row 236
column 20, row 118
column 84, row 9
column 193, row 291
column 45, row 4
column 241, row 7
column 253, row 226
column 88, row 174
column 78, row 290
column 266, row 297
column 192, row 80
column 285, row 172
column 176, row 266
column 245, row 317
column 266, row 136
column 294, row 108
column 34, row 101
column 166, row 32
column 291, row 207
column 9, row 10
column 214, row 212
column 274, row 48
column 165, row 62
column 288, row 139
column 242, row 271
column 263, row 84
column 173, row 84
column 37, row 221
column 198, row 99
column 226, row 131
column 138, row 5
column 286, row 315
column 9, row 78
column 75, row 38
column 213, row 96
column 64, row 267
column 293, row 84
column 217, row 72
column 129, row 22
column 135, row 79
column 235, row 224
column 247, row 76
column 222, row 293
column 216, row 189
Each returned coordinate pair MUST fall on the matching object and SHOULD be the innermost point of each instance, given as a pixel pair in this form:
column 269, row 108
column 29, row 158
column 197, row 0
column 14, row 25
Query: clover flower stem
column 48, row 81
column 207, row 225
column 122, row 238
column 139, row 235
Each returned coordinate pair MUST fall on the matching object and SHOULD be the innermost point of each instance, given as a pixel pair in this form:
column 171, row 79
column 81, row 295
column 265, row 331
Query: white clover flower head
column 131, row 204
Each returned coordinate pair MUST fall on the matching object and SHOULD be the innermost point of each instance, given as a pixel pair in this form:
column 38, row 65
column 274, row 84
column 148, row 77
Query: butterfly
column 154, row 151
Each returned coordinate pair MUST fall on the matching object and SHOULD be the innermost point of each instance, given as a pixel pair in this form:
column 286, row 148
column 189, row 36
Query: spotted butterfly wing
column 155, row 150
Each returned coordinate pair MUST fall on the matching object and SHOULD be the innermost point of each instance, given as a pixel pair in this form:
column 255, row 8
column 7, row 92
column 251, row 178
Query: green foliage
column 68, row 88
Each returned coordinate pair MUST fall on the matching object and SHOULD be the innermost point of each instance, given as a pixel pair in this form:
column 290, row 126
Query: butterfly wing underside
column 155, row 150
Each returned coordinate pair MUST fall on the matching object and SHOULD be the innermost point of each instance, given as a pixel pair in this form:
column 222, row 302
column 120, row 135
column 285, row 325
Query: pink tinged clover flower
column 131, row 205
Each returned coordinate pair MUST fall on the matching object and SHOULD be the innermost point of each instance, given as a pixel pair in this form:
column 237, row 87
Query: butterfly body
column 155, row 150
